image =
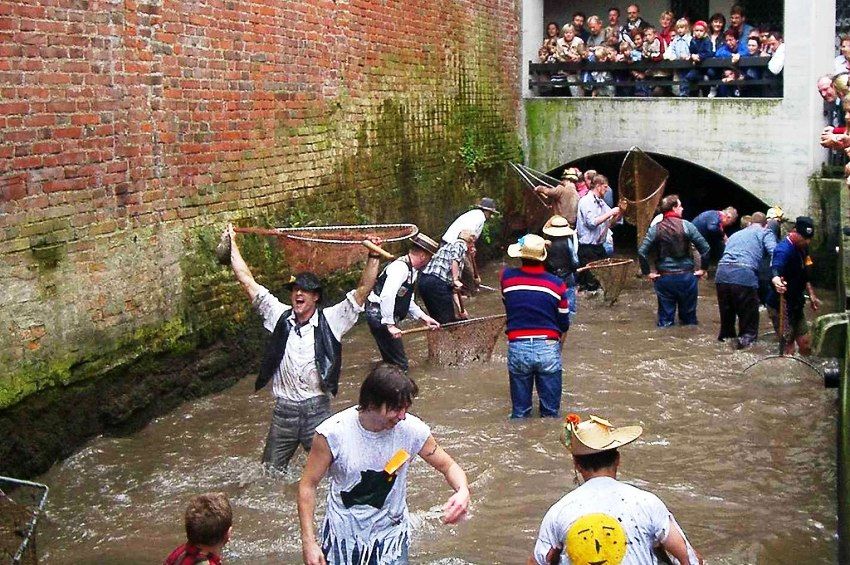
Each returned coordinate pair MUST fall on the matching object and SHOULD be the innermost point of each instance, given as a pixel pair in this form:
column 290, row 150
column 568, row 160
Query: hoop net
column 535, row 210
column 324, row 250
column 612, row 273
column 21, row 502
column 467, row 341
column 641, row 185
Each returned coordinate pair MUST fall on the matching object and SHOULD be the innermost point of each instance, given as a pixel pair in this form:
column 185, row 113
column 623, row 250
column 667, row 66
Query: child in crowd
column 640, row 89
column 602, row 55
column 701, row 49
column 730, row 75
column 208, row 521
column 679, row 49
column 653, row 51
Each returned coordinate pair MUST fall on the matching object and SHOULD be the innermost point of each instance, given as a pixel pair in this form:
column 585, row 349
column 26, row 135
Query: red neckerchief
column 533, row 269
column 797, row 240
column 672, row 214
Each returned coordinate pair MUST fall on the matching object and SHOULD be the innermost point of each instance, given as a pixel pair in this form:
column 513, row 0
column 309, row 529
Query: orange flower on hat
column 573, row 419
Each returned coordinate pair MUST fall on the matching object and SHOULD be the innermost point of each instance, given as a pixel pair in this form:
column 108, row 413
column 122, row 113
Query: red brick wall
column 129, row 128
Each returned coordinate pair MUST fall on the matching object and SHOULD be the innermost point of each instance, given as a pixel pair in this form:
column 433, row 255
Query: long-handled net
column 535, row 208
column 641, row 186
column 21, row 503
column 466, row 341
column 327, row 249
column 613, row 273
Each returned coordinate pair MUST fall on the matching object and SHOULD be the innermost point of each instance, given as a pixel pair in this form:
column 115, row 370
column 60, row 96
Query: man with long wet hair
column 365, row 450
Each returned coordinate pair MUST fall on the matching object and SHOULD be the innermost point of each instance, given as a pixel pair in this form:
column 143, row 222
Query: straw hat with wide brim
column 571, row 174
column 529, row 246
column 558, row 226
column 596, row 435
column 425, row 243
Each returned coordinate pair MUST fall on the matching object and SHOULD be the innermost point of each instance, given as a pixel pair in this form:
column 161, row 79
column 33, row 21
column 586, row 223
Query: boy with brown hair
column 208, row 522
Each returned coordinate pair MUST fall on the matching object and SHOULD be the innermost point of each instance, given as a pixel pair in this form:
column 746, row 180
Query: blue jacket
column 723, row 51
column 743, row 255
column 790, row 264
column 708, row 224
column 702, row 47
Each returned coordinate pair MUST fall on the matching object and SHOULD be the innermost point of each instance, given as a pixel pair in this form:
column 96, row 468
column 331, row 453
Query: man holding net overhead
column 392, row 300
column 303, row 357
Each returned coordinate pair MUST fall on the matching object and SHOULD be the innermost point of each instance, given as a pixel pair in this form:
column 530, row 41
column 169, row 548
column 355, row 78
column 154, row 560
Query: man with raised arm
column 366, row 451
column 605, row 520
column 303, row 357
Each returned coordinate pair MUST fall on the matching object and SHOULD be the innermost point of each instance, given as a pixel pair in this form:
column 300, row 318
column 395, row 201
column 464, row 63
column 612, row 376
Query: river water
column 745, row 462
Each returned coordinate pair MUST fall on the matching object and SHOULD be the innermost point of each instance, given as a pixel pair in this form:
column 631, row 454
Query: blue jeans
column 530, row 362
column 677, row 290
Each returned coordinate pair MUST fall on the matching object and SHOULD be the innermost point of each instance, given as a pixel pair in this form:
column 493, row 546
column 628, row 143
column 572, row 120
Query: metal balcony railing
column 663, row 78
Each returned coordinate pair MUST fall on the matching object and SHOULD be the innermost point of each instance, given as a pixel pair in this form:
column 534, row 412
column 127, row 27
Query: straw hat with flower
column 530, row 246
column 595, row 435
column 558, row 226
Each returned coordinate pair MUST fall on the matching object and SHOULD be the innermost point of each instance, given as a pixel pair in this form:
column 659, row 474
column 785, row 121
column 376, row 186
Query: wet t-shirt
column 367, row 508
column 606, row 521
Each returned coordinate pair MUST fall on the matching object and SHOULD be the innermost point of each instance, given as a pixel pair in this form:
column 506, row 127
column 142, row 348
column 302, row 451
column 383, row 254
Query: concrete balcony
column 767, row 146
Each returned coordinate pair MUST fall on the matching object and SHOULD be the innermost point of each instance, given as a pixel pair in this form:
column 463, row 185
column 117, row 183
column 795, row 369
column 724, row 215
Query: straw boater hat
column 571, row 174
column 558, row 226
column 775, row 213
column 529, row 246
column 596, row 435
column 487, row 204
column 425, row 243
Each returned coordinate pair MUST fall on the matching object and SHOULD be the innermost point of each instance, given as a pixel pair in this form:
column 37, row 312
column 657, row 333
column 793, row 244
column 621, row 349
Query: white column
column 532, row 37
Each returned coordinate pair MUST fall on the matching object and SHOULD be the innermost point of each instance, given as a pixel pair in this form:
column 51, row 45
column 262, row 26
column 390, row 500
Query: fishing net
column 327, row 249
column 535, row 209
column 21, row 502
column 612, row 273
column 467, row 341
column 641, row 186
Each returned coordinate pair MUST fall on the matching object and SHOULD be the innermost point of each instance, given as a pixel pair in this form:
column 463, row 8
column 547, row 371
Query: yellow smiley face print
column 596, row 539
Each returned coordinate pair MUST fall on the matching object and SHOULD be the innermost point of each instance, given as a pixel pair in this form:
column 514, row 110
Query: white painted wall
column 770, row 147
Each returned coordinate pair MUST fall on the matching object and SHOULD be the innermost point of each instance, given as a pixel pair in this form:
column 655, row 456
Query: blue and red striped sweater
column 535, row 303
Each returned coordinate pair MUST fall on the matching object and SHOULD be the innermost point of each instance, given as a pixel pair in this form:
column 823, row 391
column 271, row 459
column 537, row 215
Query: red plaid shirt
column 188, row 554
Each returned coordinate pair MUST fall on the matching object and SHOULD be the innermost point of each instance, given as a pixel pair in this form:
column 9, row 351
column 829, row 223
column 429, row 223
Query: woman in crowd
column 717, row 25
column 571, row 49
column 666, row 31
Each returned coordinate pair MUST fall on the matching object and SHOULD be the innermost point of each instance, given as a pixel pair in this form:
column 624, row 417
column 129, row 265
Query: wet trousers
column 677, row 290
column 392, row 350
column 293, row 424
column 741, row 302
column 437, row 295
column 535, row 362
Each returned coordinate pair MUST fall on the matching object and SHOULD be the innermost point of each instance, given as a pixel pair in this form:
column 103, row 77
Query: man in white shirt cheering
column 304, row 355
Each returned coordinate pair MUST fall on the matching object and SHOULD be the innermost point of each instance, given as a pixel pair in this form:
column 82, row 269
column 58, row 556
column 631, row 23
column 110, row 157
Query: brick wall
column 131, row 131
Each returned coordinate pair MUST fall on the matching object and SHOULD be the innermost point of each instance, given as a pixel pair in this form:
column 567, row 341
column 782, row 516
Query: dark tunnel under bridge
column 698, row 188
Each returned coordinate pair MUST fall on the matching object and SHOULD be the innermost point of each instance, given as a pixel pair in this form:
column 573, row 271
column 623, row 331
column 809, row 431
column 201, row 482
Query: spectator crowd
column 638, row 43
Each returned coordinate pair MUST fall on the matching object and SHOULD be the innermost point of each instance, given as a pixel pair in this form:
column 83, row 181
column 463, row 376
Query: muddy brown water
column 745, row 462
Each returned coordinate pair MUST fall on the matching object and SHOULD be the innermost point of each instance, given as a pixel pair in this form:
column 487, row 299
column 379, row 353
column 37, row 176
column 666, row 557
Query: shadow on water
column 746, row 463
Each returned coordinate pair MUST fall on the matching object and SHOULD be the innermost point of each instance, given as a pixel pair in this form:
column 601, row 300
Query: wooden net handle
column 258, row 231
column 417, row 330
column 375, row 249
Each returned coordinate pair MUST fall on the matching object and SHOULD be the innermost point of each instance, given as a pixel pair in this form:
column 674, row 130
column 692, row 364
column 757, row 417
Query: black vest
column 560, row 261
column 405, row 291
column 670, row 239
column 328, row 353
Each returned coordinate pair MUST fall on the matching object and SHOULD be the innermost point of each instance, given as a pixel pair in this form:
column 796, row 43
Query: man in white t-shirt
column 303, row 357
column 471, row 221
column 365, row 451
column 605, row 520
